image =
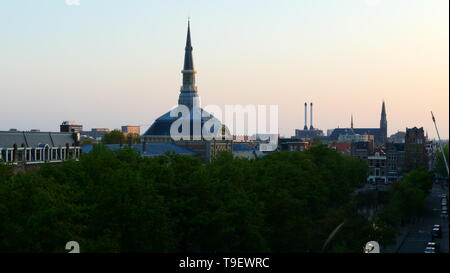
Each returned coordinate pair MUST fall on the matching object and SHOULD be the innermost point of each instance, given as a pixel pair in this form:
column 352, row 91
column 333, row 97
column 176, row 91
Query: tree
column 114, row 137
column 406, row 199
column 316, row 141
column 118, row 201
column 5, row 172
column 87, row 141
column 440, row 163
column 133, row 138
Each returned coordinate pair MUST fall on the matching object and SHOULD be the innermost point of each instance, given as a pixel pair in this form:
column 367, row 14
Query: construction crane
column 440, row 143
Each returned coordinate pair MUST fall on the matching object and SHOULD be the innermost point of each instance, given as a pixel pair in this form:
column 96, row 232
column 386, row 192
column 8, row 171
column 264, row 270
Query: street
column 419, row 233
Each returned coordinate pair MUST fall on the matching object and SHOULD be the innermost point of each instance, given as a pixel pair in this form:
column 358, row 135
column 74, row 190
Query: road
column 419, row 234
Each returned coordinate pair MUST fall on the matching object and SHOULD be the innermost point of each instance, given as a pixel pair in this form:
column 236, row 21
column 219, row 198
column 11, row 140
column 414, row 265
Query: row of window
column 376, row 163
column 377, row 172
column 37, row 155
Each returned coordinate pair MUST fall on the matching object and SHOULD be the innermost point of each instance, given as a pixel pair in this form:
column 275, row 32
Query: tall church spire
column 383, row 123
column 188, row 93
column 351, row 123
column 188, row 60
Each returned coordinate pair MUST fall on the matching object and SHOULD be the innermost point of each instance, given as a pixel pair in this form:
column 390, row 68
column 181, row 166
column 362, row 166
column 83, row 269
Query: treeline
column 117, row 201
column 406, row 200
column 440, row 162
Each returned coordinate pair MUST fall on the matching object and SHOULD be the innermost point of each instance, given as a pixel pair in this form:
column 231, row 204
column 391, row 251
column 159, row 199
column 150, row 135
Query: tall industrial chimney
column 306, row 117
column 311, row 127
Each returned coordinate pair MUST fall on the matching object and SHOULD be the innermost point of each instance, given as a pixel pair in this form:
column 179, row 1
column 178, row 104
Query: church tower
column 188, row 92
column 351, row 123
column 383, row 124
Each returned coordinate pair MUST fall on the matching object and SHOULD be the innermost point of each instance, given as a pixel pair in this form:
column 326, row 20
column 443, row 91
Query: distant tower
column 306, row 117
column 351, row 123
column 311, row 127
column 383, row 124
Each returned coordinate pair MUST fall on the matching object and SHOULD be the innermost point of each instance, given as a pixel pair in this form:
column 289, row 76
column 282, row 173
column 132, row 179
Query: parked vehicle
column 444, row 214
column 436, row 233
column 430, row 250
column 444, row 202
column 435, row 246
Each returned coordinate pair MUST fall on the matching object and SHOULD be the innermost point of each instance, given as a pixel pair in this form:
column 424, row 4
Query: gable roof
column 34, row 139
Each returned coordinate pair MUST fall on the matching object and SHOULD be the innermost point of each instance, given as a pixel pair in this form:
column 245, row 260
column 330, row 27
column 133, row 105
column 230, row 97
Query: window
column 37, row 155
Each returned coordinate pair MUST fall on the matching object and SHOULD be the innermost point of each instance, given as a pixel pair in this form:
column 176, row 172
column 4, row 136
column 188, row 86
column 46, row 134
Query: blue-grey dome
column 163, row 124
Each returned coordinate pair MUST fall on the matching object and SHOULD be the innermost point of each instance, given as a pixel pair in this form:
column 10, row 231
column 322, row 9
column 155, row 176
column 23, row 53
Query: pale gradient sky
column 107, row 63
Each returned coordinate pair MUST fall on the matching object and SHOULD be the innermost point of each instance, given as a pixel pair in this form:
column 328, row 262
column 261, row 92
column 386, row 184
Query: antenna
column 440, row 143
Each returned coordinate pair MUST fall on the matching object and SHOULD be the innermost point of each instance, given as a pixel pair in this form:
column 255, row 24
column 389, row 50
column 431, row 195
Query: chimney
column 311, row 109
column 306, row 117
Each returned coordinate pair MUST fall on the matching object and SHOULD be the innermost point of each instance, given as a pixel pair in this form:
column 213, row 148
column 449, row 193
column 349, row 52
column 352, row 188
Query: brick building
column 415, row 149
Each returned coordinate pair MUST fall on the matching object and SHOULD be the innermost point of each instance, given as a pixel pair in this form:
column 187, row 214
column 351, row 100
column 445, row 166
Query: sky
column 107, row 63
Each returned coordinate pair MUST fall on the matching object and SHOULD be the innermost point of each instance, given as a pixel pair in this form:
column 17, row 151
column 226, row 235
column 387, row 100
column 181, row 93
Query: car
column 444, row 196
column 444, row 202
column 438, row 227
column 434, row 245
column 444, row 207
column 430, row 250
column 436, row 233
column 444, row 214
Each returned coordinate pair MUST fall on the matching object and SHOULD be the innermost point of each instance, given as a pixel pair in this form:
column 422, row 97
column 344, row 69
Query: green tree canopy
column 117, row 201
column 440, row 163
column 114, row 137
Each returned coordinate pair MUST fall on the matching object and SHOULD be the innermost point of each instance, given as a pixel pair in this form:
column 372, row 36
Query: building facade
column 398, row 137
column 395, row 156
column 415, row 149
column 70, row 127
column 377, row 167
column 18, row 147
column 380, row 134
column 131, row 130
column 362, row 150
column 292, row 144
column 96, row 134
column 349, row 138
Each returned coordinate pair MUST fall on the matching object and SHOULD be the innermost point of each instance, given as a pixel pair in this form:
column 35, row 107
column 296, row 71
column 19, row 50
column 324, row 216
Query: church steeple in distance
column 351, row 123
column 383, row 123
column 188, row 93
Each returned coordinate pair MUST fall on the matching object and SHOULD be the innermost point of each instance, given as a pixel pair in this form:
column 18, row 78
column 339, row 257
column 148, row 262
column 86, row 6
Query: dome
column 209, row 125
